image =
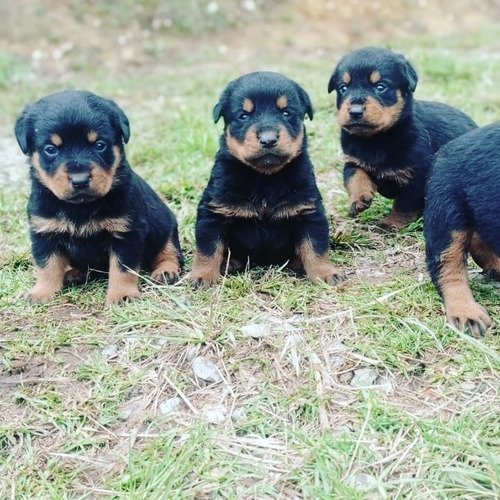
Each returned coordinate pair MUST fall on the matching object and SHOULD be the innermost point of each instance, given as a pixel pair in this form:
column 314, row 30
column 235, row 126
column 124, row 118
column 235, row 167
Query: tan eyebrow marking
column 375, row 77
column 92, row 136
column 248, row 105
column 56, row 139
column 282, row 102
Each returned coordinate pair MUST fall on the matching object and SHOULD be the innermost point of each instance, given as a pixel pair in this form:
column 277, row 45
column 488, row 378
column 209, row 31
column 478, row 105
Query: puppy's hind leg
column 453, row 282
column 485, row 257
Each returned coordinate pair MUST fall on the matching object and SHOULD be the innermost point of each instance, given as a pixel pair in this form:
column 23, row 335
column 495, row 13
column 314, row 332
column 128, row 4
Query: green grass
column 82, row 386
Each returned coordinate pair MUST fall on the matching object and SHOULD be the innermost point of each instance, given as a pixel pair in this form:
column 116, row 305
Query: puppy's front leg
column 123, row 284
column 210, row 252
column 360, row 188
column 318, row 266
column 206, row 267
column 49, row 280
column 312, row 251
column 124, row 264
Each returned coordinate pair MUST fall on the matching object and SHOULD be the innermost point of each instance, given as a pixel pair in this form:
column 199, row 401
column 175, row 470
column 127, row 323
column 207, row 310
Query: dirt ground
column 59, row 39
column 55, row 35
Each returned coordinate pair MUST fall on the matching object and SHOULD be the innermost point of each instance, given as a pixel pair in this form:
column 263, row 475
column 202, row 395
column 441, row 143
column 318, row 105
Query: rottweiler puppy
column 88, row 211
column 261, row 205
column 388, row 138
column 462, row 216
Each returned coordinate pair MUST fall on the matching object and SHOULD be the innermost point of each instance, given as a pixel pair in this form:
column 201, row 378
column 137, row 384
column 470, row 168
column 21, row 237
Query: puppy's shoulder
column 442, row 119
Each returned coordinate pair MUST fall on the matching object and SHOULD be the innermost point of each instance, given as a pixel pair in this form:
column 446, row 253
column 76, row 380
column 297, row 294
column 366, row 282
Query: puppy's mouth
column 359, row 128
column 269, row 160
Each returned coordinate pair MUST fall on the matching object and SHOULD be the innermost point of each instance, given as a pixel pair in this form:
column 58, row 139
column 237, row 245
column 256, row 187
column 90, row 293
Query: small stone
column 214, row 414
column 129, row 410
column 170, row 406
column 384, row 383
column 364, row 377
column 110, row 351
column 363, row 481
column 206, row 370
column 255, row 330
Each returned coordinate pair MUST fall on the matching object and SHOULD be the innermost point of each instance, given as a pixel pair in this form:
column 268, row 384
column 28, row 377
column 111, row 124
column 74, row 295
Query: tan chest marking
column 115, row 226
column 283, row 210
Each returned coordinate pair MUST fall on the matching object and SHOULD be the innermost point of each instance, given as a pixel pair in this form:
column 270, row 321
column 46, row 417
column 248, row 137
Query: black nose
column 80, row 181
column 356, row 110
column 268, row 138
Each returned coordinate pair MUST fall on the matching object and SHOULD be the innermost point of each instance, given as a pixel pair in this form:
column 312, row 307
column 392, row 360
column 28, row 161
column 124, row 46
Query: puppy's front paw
column 361, row 190
column 360, row 204
column 167, row 273
column 398, row 220
column 203, row 280
column 470, row 317
column 206, row 270
column 39, row 296
column 334, row 277
column 328, row 273
column 114, row 297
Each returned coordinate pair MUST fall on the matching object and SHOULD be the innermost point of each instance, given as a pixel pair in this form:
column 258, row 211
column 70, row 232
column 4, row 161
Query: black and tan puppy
column 88, row 211
column 261, row 205
column 388, row 138
column 462, row 216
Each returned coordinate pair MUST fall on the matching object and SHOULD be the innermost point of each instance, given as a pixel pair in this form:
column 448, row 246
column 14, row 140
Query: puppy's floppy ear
column 120, row 119
column 221, row 108
column 24, row 129
column 124, row 124
column 306, row 101
column 410, row 74
column 218, row 110
column 117, row 115
column 331, row 82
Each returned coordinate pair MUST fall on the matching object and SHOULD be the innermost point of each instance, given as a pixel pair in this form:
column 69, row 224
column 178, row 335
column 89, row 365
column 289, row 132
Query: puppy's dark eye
column 243, row 116
column 100, row 146
column 381, row 87
column 50, row 150
column 342, row 89
column 286, row 113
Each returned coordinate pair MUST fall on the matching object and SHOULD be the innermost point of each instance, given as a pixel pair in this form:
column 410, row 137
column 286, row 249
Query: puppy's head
column 263, row 116
column 374, row 90
column 74, row 140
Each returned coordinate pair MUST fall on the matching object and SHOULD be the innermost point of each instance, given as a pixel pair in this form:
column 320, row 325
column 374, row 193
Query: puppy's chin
column 268, row 163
